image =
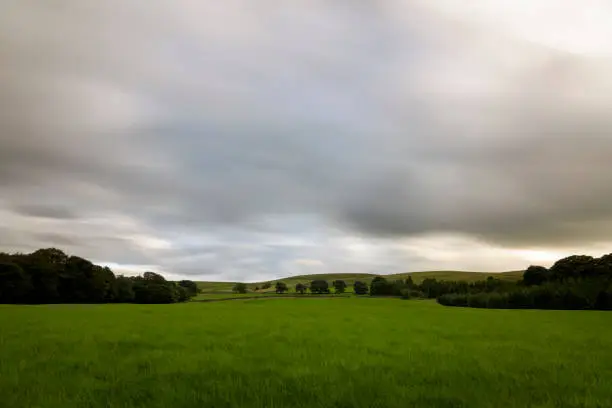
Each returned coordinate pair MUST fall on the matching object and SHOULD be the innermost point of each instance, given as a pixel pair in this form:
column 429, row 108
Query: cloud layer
column 234, row 141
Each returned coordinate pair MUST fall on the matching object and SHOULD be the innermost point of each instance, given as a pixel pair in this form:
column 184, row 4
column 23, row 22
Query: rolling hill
column 350, row 278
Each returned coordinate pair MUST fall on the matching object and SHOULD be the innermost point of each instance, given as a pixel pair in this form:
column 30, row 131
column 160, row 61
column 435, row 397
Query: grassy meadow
column 327, row 352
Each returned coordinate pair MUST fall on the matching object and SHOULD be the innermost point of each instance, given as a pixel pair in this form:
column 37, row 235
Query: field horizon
column 350, row 278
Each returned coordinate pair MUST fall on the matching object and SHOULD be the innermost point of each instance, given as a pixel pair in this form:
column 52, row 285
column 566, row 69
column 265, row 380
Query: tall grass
column 332, row 352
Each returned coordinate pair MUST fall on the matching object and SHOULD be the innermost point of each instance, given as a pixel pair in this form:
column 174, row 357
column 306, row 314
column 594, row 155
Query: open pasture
column 327, row 352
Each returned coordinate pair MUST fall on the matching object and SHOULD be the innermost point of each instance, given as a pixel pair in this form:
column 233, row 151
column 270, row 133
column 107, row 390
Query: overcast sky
column 250, row 140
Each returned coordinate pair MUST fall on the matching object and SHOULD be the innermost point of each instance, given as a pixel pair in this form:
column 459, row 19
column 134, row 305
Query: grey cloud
column 201, row 120
column 45, row 211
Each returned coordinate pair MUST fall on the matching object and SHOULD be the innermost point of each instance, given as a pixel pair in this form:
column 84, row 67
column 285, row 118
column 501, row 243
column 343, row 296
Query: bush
column 416, row 294
column 453, row 299
column 497, row 301
column 479, row 300
column 240, row 288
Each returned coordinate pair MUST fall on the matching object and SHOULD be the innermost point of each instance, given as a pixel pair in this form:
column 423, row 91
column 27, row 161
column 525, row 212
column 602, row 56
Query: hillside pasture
column 350, row 278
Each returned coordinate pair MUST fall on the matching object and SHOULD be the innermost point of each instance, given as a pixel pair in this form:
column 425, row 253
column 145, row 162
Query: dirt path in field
column 270, row 297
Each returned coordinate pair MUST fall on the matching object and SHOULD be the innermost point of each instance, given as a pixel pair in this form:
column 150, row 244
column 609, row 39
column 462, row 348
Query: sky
column 241, row 140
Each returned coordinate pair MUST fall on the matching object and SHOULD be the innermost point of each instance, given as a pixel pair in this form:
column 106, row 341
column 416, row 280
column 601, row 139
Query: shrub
column 240, row 288
column 406, row 293
column 478, row 300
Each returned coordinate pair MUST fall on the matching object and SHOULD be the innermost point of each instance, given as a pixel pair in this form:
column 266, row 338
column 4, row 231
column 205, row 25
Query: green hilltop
column 350, row 278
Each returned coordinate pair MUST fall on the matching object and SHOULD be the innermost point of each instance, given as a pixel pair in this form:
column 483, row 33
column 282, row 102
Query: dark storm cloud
column 180, row 126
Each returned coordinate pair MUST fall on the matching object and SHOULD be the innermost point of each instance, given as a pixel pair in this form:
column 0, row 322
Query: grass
column 232, row 295
column 343, row 352
column 350, row 278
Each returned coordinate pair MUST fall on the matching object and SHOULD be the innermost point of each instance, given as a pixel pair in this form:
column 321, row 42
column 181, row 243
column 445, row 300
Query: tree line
column 578, row 282
column 51, row 276
column 380, row 286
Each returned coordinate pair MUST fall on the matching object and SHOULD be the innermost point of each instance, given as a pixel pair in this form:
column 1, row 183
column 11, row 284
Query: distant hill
column 350, row 278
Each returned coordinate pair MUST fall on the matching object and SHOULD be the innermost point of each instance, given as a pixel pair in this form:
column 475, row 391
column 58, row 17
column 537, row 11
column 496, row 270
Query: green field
column 342, row 352
column 350, row 278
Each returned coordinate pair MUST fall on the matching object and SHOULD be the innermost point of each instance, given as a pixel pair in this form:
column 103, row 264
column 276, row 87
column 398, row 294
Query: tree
column 125, row 289
column 190, row 287
column 266, row 285
column 153, row 291
column 77, row 283
column 44, row 268
column 153, row 277
column 181, row 293
column 240, row 288
column 15, row 284
column 339, row 286
column 410, row 283
column 319, row 286
column 431, row 288
column 535, row 275
column 300, row 288
column 360, row 288
column 381, row 287
column 50, row 276
column 106, row 281
column 281, row 287
column 573, row 267
column 51, row 256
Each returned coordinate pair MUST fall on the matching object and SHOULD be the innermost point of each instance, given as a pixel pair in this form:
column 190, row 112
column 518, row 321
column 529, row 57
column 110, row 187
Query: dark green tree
column 15, row 284
column 573, row 267
column 240, row 288
column 181, row 293
column 381, row 287
column 535, row 275
column 339, row 286
column 190, row 287
column 77, row 283
column 124, row 288
column 153, row 277
column 360, row 288
column 147, row 290
column 300, row 288
column 281, row 287
column 319, row 286
column 44, row 268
